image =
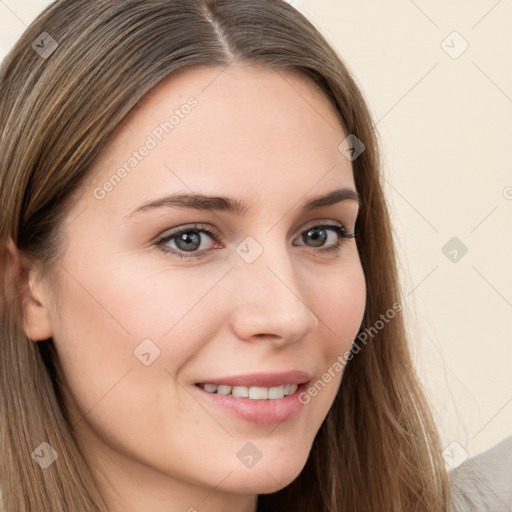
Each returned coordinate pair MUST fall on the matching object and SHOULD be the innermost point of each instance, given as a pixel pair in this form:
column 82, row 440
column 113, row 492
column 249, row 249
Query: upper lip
column 262, row 379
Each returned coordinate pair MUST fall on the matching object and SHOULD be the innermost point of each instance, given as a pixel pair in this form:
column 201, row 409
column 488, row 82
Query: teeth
column 242, row 391
column 252, row 392
column 257, row 393
column 223, row 390
column 277, row 392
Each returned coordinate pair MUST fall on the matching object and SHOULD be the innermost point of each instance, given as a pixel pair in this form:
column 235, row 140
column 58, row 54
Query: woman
column 201, row 306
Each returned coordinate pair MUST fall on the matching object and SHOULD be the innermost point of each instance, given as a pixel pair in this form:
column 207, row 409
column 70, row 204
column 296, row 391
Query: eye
column 188, row 239
column 319, row 236
column 329, row 238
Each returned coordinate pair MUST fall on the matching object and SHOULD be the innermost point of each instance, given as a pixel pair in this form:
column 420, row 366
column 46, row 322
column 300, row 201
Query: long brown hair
column 72, row 77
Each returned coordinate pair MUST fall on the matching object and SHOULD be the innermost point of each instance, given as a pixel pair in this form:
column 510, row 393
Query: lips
column 258, row 410
column 251, row 404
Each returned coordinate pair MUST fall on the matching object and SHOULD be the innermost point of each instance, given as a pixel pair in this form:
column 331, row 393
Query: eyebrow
column 240, row 208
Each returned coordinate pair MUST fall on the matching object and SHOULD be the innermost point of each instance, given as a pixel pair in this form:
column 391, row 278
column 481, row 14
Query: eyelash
column 202, row 228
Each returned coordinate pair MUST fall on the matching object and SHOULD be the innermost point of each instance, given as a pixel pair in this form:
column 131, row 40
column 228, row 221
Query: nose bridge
column 269, row 299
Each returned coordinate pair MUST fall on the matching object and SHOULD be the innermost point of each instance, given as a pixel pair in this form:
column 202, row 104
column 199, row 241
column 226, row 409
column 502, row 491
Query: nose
column 269, row 301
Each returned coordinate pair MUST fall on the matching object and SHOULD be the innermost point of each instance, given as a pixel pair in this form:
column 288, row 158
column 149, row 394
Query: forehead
column 236, row 83
column 238, row 129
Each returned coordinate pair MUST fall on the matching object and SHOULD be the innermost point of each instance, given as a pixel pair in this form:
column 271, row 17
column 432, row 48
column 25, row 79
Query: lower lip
column 270, row 411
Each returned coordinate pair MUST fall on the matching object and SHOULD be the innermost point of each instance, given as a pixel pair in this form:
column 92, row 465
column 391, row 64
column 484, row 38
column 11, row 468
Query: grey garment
column 483, row 483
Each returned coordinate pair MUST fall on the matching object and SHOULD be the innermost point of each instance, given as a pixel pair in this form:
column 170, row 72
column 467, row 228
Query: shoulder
column 484, row 482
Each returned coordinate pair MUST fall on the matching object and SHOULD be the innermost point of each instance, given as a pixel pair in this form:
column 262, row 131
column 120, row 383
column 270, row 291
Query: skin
column 268, row 138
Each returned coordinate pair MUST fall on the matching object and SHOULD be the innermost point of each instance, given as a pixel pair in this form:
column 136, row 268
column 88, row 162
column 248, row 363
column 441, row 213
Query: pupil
column 317, row 239
column 188, row 238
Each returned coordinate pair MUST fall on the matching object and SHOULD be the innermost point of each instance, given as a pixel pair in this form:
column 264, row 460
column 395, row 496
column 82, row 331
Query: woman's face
column 141, row 317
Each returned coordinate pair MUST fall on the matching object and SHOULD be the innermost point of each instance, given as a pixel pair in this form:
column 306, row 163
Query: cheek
column 341, row 307
column 121, row 319
column 121, row 341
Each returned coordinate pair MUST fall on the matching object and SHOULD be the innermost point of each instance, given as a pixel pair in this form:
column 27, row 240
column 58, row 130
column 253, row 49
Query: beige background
column 445, row 120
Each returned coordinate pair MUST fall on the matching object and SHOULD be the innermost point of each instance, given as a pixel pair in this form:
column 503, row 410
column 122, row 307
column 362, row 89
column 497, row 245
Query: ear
column 25, row 277
column 37, row 324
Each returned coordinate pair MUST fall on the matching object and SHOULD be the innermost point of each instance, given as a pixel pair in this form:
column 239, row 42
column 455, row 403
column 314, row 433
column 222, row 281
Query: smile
column 252, row 392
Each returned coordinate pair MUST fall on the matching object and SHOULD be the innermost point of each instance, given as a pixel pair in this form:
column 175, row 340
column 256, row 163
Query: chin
column 265, row 479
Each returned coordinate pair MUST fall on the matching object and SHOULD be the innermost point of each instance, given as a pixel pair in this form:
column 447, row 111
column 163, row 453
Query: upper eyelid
column 207, row 227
